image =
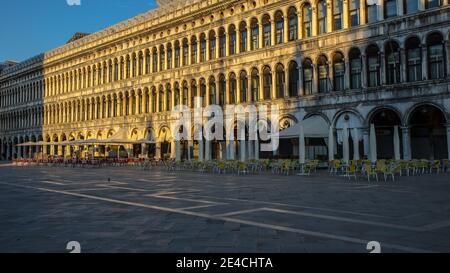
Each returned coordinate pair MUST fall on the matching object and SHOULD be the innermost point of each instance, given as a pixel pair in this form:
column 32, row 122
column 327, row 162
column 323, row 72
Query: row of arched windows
column 23, row 119
column 21, row 94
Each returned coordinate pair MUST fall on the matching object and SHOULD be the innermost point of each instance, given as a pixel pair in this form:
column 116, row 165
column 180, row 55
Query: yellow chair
column 369, row 171
column 351, row 171
column 435, row 165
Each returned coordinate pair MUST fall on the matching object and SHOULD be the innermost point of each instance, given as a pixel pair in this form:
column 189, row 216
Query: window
column 194, row 50
column 161, row 100
column 212, row 91
column 267, row 82
column 255, row 85
column 168, row 98
column 266, row 31
column 177, row 54
column 222, row 43
column 128, row 68
column 232, row 42
column 154, row 101
column 337, row 14
column 322, row 17
column 147, row 62
column 202, row 48
column 280, row 81
column 185, row 52
column 373, row 66
column 243, row 40
column 390, row 8
column 293, row 79
column 177, row 95
column 355, row 68
column 279, row 28
column 322, row 72
column 436, row 57
column 413, row 60
column 254, row 35
column 141, row 64
column 169, row 56
column 432, row 3
column 392, row 63
column 293, row 24
column 233, row 86
column 307, row 18
column 307, row 76
column 244, row 86
column 338, row 72
column 155, row 60
column 222, row 90
column 185, row 94
column 372, row 12
column 410, row 6
column 354, row 7
column 212, row 45
column 162, row 58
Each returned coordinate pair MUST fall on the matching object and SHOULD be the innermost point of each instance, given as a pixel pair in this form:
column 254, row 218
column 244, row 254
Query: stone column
column 273, row 32
column 190, row 145
column 382, row 69
column 177, row 150
column 363, row 12
column 314, row 21
column 345, row 14
column 227, row 43
column 406, row 143
column 260, row 34
column 403, row 76
column 242, row 147
column 201, row 155
column 144, row 150
column 301, row 89
column 208, row 155
column 330, row 18
column 366, row 142
column 158, row 150
column 257, row 149
column 424, row 62
column 238, row 39
column 250, row 149
column 448, row 141
column 273, row 91
column 364, row 71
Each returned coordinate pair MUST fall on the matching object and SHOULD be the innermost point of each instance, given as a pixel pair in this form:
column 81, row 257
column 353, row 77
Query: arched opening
column 244, row 86
column 254, row 28
column 212, row 91
column 413, row 59
column 279, row 28
column 436, row 56
column 428, row 133
column 373, row 65
column 267, row 83
column 321, row 17
column 255, row 85
column 322, row 72
column 233, row 89
column 293, row 24
column 338, row 71
column 392, row 55
column 307, row 20
column 280, row 81
column 307, row 68
column 293, row 79
column 387, row 123
column 355, row 68
column 243, row 45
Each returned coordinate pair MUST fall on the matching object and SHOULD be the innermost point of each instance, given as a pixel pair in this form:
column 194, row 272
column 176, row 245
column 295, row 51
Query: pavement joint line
column 295, row 206
column 123, row 188
column 184, row 199
column 202, row 206
column 233, row 213
column 240, row 221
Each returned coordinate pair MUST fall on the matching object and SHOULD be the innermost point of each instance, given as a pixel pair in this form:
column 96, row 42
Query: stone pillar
column 273, row 32
column 260, row 34
column 363, row 12
column 227, row 43
column 242, row 147
column 403, row 76
column 424, row 62
column 273, row 91
column 177, row 151
column 250, row 149
column 230, row 149
column 301, row 89
column 406, row 143
column 238, row 40
column 364, row 71
column 208, row 155
column 257, row 149
column 448, row 141
column 201, row 155
column 366, row 142
column 382, row 69
column 144, row 150
column 286, row 27
column 158, row 150
column 190, row 145
column 314, row 21
column 345, row 14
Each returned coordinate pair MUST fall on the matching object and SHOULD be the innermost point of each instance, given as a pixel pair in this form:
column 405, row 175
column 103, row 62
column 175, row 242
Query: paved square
column 41, row 209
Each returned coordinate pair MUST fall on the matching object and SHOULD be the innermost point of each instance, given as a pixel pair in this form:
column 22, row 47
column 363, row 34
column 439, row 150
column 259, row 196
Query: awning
column 313, row 127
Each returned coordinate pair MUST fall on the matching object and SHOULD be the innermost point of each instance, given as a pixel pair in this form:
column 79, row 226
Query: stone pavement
column 41, row 209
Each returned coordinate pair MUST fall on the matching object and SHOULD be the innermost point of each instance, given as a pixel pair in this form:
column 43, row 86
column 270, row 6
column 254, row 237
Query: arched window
column 202, row 47
column 322, row 72
column 168, row 98
column 243, row 35
column 373, row 65
column 212, row 91
column 338, row 72
column 354, row 10
column 147, row 61
column 134, row 65
column 194, row 93
column 233, row 89
column 177, row 54
column 185, row 52
column 338, row 8
column 390, row 8
column 355, row 68
column 161, row 99
column 244, row 86
column 212, row 45
column 432, row 3
column 307, row 20
column 162, row 58
column 410, row 6
column 185, row 93
column 154, row 100
column 128, row 68
column 232, row 40
column 147, row 101
column 293, row 24
column 436, row 56
column 222, row 90
column 413, row 59
column 293, row 79
column 267, row 30
column 255, row 85
column 155, row 60
column 307, row 76
column 176, row 94
column 392, row 55
column 169, row 56
column 194, row 50
column 322, row 17
column 133, row 103
column 372, row 11
column 280, row 81
column 222, row 43
column 267, row 82
column 203, row 91
column 279, row 27
column 254, row 44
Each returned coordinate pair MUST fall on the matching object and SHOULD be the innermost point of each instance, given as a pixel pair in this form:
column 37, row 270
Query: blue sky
column 30, row 27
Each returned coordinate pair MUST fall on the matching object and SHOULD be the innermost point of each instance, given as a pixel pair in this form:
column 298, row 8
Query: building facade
column 339, row 63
